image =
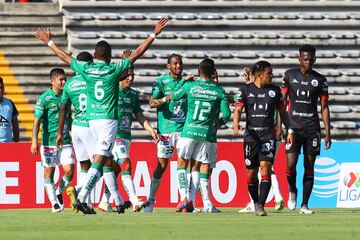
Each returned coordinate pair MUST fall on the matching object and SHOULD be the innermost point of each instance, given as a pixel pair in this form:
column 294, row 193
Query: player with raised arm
column 170, row 122
column 260, row 99
column 302, row 88
column 75, row 93
column 47, row 113
column 102, row 79
column 129, row 105
column 204, row 99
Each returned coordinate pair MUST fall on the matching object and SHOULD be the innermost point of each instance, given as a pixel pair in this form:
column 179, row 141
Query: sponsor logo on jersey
column 198, row 90
column 261, row 95
column 127, row 100
column 77, row 84
column 314, row 82
column 304, row 83
column 48, row 98
column 272, row 93
column 4, row 122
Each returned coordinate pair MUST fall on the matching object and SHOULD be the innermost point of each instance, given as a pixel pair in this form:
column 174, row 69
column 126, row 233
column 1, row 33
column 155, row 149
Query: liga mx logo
column 326, row 180
column 352, row 180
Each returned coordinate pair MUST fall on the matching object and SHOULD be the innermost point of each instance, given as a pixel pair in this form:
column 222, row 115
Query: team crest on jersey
column 314, row 82
column 272, row 93
column 38, row 101
column 127, row 100
column 247, row 162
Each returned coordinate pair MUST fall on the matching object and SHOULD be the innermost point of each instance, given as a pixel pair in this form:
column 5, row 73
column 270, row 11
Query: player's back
column 204, row 99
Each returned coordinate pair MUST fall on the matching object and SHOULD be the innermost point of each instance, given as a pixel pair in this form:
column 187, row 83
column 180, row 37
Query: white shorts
column 212, row 156
column 51, row 156
column 83, row 143
column 193, row 149
column 121, row 150
column 167, row 144
column 103, row 132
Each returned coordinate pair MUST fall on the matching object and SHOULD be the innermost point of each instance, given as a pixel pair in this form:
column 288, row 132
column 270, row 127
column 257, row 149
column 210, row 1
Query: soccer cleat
column 190, row 207
column 259, row 210
column 127, row 204
column 138, row 206
column 182, row 205
column 72, row 194
column 60, row 201
column 292, row 201
column 92, row 211
column 105, row 207
column 279, row 205
column 210, row 208
column 83, row 207
column 120, row 209
column 56, row 208
column 248, row 209
column 305, row 210
column 149, row 206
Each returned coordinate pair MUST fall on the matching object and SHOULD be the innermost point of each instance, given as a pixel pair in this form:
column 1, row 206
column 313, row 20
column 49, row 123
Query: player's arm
column 15, row 124
column 62, row 116
column 325, row 114
column 140, row 50
column 45, row 36
column 225, row 110
column 236, row 118
column 35, row 135
column 146, row 125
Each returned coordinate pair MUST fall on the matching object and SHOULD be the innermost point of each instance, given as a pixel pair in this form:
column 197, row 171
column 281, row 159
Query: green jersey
column 128, row 104
column 169, row 120
column 102, row 81
column 75, row 92
column 47, row 109
column 204, row 99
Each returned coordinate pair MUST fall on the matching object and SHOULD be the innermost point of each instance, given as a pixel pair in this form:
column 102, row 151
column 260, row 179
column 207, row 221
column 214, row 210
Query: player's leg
column 265, row 185
column 194, row 182
column 252, row 167
column 292, row 155
column 49, row 161
column 279, row 201
column 66, row 159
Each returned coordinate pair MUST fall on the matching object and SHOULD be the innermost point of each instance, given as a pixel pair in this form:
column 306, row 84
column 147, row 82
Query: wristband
column 290, row 131
column 152, row 35
column 164, row 99
column 50, row 43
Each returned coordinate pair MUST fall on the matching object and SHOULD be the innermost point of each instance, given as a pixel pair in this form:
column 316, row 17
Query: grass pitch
column 165, row 224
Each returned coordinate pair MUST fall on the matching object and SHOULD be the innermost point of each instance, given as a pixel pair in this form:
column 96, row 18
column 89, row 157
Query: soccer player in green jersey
column 102, row 79
column 170, row 121
column 47, row 113
column 75, row 93
column 204, row 99
column 129, row 105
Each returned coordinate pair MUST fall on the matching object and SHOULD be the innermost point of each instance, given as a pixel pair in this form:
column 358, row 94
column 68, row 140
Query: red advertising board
column 21, row 177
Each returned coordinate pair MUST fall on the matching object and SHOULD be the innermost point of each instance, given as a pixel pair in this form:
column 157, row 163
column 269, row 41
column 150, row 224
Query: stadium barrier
column 337, row 177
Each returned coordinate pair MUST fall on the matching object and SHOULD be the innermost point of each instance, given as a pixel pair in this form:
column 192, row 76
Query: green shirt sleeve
column 123, row 65
column 39, row 108
column 179, row 91
column 157, row 90
column 78, row 66
column 225, row 110
column 65, row 99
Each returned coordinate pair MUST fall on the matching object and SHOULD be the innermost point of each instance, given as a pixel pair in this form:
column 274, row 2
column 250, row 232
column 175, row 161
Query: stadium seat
column 235, row 16
column 220, row 54
column 215, row 35
column 267, row 35
column 85, row 35
column 349, row 54
column 240, row 35
column 331, row 72
column 342, row 35
column 287, row 16
column 292, row 35
column 133, row 16
column 80, row 16
column 337, row 16
column 210, row 16
column 261, row 15
column 147, row 72
column 272, row 54
column 138, row 35
column 319, row 35
column 337, row 91
column 325, row 54
column 167, row 35
column 227, row 73
column 191, row 35
column 194, row 54
column 344, row 124
column 184, row 16
column 246, row 54
column 111, row 34
column 157, row 16
column 106, row 16
column 312, row 16
column 339, row 109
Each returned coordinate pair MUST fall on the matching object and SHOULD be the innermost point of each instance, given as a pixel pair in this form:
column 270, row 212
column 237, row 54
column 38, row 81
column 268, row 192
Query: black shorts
column 254, row 153
column 308, row 139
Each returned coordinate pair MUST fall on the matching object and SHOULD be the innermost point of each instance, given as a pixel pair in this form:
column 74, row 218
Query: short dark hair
column 173, row 55
column 103, row 50
column 207, row 67
column 56, row 71
column 1, row 81
column 307, row 48
column 259, row 67
column 84, row 57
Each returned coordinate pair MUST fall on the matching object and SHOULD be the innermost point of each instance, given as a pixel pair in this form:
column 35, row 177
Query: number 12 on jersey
column 204, row 107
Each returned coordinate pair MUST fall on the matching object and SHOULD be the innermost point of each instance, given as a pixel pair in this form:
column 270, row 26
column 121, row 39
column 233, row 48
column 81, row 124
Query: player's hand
column 155, row 136
column 246, row 74
column 189, row 78
column 168, row 97
column 59, row 141
column 34, row 148
column 126, row 54
column 43, row 35
column 290, row 139
column 236, row 130
column 280, row 135
column 327, row 141
column 160, row 25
